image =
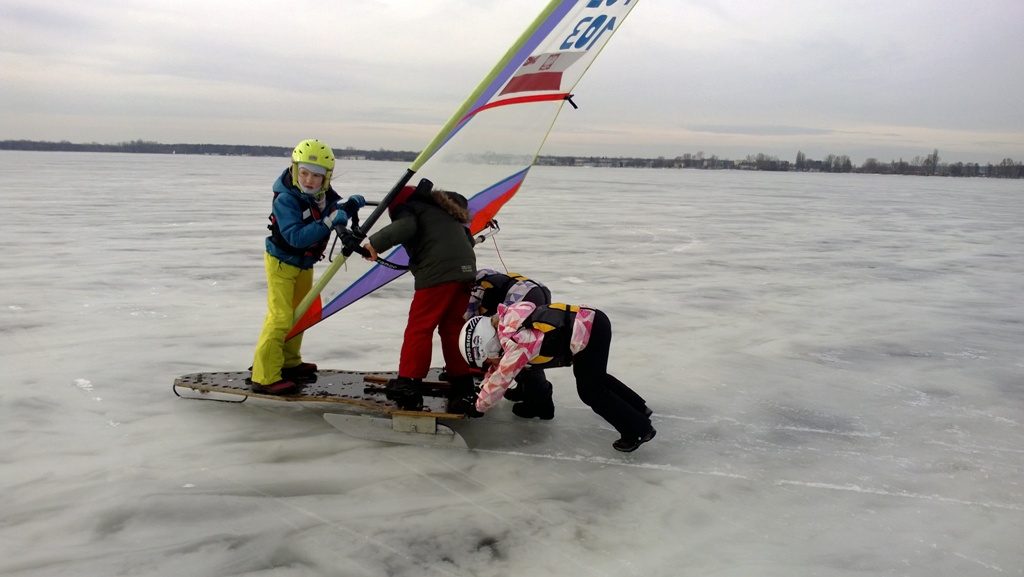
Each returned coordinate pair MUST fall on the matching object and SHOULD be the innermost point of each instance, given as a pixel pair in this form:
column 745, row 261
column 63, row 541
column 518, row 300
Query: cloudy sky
column 730, row 78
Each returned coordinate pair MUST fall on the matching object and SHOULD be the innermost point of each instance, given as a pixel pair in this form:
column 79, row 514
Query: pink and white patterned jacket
column 520, row 345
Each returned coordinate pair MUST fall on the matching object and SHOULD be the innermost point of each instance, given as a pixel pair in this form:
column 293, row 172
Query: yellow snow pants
column 286, row 287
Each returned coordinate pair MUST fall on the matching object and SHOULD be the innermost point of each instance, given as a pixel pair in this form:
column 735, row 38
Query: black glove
column 352, row 241
column 353, row 204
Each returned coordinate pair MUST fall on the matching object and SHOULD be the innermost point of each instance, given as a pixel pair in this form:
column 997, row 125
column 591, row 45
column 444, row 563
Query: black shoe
column 300, row 371
column 515, row 394
column 280, row 388
column 405, row 392
column 460, row 406
column 461, row 387
column 629, row 445
column 542, row 410
column 402, row 386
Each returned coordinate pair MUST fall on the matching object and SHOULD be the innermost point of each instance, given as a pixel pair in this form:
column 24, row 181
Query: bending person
column 532, row 390
column 556, row 335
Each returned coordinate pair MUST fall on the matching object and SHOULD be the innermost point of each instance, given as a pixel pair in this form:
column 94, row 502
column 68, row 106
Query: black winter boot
column 300, row 372
column 462, row 387
column 405, row 392
column 515, row 394
column 543, row 409
column 628, row 445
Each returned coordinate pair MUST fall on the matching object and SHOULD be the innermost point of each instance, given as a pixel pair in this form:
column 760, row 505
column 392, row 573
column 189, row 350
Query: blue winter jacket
column 300, row 224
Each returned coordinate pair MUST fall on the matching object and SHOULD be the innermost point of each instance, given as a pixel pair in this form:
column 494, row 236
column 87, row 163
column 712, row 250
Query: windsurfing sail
column 487, row 147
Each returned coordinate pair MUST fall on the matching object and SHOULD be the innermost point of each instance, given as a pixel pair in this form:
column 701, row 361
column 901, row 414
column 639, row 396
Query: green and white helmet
column 317, row 157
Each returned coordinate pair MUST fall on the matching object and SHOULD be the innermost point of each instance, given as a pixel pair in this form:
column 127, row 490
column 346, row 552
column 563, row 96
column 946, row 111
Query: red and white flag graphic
column 541, row 73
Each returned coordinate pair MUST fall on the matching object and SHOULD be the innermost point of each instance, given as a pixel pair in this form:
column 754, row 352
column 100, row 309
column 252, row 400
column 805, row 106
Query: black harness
column 496, row 287
column 315, row 251
column 556, row 322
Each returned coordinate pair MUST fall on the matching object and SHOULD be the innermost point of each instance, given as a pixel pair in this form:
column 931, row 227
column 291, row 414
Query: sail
column 487, row 147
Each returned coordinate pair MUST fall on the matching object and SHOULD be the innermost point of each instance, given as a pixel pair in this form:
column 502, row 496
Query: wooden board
column 363, row 389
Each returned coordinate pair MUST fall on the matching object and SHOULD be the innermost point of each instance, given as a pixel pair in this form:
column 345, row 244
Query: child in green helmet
column 305, row 210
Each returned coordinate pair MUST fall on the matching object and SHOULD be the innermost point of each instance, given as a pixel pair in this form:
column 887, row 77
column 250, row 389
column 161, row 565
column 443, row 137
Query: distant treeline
column 929, row 165
column 144, row 146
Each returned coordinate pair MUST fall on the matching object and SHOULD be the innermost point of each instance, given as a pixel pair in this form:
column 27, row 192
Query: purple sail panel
column 372, row 280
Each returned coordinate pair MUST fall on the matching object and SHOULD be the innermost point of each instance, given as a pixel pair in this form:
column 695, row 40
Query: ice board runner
column 360, row 389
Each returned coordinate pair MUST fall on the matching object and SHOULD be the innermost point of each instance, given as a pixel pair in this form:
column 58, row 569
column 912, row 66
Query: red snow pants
column 442, row 308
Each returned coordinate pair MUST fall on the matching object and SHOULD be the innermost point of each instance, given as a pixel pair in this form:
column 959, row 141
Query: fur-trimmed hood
column 431, row 225
column 453, row 203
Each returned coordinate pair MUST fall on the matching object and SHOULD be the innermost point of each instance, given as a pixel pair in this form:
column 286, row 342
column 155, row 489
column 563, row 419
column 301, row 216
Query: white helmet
column 479, row 341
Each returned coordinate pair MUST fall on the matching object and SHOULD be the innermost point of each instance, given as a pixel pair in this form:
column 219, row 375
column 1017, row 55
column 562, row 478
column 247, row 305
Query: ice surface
column 834, row 361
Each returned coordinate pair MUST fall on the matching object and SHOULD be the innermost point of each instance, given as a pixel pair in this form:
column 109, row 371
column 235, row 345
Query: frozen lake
column 835, row 363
